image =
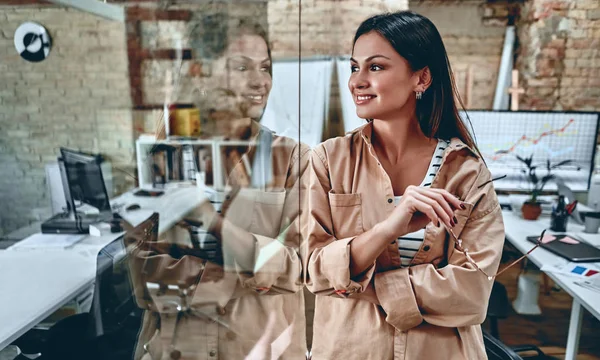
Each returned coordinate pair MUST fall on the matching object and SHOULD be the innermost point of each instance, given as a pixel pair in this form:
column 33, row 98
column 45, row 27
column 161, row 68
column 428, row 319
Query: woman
column 386, row 202
column 252, row 283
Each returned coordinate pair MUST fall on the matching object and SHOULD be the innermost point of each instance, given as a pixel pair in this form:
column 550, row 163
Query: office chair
column 108, row 331
column 498, row 308
column 497, row 350
column 164, row 279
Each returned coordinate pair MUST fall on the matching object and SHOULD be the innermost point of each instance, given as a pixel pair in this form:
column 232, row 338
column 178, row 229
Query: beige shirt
column 430, row 310
column 235, row 304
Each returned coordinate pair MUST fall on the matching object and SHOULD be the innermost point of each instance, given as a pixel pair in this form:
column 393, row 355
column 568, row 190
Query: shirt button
column 212, row 353
column 221, row 310
column 426, row 248
column 390, row 200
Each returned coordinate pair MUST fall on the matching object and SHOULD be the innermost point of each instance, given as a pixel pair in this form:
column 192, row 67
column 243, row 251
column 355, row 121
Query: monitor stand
column 67, row 223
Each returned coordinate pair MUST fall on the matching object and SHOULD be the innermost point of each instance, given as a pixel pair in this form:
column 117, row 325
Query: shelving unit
column 144, row 146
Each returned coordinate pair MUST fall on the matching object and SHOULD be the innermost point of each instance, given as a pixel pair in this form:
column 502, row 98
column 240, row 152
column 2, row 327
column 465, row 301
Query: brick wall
column 559, row 55
column 78, row 97
column 473, row 33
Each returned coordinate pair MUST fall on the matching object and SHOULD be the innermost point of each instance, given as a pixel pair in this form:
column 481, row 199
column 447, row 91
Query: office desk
column 35, row 283
column 517, row 229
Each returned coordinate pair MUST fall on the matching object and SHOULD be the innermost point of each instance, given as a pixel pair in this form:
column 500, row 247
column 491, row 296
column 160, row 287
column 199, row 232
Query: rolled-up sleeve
column 328, row 261
column 456, row 294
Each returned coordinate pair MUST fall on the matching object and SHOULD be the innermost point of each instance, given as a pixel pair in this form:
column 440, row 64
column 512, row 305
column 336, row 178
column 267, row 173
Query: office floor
column 550, row 329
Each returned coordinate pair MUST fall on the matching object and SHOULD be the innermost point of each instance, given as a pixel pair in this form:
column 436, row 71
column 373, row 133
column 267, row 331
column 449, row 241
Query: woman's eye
column 265, row 68
column 241, row 68
column 375, row 67
column 353, row 68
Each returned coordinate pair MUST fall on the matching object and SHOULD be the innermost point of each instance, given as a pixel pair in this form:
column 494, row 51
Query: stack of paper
column 580, row 270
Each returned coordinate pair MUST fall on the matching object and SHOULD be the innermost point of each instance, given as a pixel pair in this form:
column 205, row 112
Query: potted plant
column 532, row 208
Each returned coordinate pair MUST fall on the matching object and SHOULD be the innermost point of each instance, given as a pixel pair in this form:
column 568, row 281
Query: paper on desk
column 579, row 270
column 590, row 283
column 48, row 241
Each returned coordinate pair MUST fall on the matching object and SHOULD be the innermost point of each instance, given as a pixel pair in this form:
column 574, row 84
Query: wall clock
column 32, row 42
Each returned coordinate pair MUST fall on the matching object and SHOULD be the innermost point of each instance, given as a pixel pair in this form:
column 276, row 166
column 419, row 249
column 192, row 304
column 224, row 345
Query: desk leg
column 574, row 331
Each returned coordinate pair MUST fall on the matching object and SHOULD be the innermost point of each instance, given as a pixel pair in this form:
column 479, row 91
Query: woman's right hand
column 420, row 206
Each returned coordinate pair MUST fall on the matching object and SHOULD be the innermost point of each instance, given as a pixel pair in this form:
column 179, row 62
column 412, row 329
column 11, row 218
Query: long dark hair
column 417, row 40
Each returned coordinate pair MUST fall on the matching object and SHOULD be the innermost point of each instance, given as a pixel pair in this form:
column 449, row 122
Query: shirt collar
column 366, row 132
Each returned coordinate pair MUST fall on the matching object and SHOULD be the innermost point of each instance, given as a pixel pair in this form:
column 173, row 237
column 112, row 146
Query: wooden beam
column 146, row 14
column 134, row 50
column 164, row 54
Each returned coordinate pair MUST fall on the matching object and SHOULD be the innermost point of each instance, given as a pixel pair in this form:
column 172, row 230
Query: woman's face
column 381, row 82
column 247, row 67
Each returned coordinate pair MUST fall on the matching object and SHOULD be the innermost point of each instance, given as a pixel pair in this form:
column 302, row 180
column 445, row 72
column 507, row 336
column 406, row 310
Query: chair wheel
column 175, row 354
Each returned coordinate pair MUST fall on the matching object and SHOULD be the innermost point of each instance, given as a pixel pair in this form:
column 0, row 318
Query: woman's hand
column 418, row 207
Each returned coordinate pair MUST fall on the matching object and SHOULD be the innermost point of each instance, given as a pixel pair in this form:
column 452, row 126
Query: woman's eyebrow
column 246, row 58
column 371, row 58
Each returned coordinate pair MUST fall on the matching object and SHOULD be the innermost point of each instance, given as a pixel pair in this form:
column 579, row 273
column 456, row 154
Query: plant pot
column 531, row 211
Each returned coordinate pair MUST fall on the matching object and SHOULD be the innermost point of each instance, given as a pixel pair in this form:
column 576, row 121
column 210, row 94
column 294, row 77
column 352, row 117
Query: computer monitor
column 84, row 181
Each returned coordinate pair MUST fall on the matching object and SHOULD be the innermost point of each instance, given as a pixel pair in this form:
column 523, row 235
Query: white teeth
column 364, row 97
column 254, row 97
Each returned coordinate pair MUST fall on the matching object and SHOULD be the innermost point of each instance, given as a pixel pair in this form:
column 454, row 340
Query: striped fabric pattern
column 409, row 244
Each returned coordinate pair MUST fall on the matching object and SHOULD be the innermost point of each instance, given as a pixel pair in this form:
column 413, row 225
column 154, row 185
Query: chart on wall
column 502, row 136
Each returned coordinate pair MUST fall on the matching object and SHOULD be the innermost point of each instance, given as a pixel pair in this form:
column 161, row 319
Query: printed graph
column 501, row 136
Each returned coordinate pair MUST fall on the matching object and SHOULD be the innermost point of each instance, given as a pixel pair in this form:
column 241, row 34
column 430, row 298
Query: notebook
column 570, row 248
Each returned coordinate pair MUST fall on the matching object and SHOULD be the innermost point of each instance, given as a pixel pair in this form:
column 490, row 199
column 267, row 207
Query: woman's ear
column 424, row 79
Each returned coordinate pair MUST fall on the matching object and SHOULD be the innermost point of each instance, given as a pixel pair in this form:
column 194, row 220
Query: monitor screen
column 549, row 137
column 85, row 180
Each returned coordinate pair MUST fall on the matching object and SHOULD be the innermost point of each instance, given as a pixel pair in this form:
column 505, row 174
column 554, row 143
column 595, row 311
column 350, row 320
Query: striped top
column 409, row 244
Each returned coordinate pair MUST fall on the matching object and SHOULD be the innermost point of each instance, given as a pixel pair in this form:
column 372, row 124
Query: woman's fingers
column 438, row 207
column 445, row 199
column 424, row 208
column 439, row 198
column 450, row 198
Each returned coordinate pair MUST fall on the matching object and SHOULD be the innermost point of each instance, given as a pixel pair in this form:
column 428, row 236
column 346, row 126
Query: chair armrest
column 497, row 350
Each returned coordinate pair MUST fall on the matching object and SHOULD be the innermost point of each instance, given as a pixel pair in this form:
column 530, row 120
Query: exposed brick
column 593, row 14
column 49, row 104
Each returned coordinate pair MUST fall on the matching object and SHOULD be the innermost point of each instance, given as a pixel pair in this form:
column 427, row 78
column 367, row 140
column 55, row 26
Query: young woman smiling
column 388, row 203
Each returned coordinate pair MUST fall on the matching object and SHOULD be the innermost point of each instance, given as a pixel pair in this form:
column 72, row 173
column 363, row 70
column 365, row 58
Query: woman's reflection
column 247, row 300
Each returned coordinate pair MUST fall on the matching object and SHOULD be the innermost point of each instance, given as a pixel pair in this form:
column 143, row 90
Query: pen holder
column 558, row 222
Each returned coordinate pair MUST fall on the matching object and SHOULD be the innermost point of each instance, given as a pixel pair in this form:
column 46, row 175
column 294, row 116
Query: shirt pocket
column 346, row 214
column 267, row 213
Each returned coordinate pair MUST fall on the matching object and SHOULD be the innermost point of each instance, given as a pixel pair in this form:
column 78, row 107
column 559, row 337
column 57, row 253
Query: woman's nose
column 358, row 81
column 257, row 79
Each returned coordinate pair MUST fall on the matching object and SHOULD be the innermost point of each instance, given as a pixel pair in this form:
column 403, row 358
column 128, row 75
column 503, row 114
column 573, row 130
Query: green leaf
column 562, row 163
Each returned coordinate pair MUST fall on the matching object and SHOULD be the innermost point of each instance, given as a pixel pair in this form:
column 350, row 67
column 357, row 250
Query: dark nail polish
column 462, row 206
column 455, row 220
column 452, row 223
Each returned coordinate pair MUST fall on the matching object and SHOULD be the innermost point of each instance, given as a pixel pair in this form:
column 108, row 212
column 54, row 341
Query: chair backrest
column 113, row 301
column 137, row 241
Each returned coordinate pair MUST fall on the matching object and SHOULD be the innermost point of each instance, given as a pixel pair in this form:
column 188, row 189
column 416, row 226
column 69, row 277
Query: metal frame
column 99, row 8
